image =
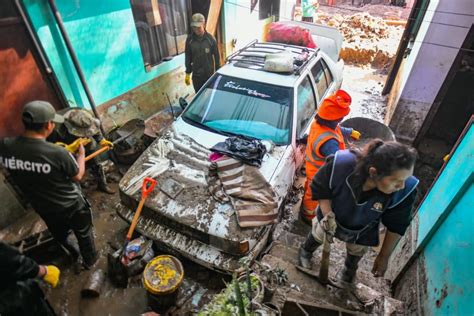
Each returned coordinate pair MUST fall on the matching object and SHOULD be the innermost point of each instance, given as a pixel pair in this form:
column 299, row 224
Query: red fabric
column 289, row 34
column 335, row 106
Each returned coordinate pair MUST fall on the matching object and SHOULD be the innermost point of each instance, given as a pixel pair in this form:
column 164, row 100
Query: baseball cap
column 40, row 112
column 335, row 106
column 197, row 20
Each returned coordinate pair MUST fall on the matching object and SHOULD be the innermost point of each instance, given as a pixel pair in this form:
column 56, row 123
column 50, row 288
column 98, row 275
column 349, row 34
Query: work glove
column 52, row 275
column 104, row 142
column 355, row 134
column 328, row 223
column 74, row 146
column 187, row 79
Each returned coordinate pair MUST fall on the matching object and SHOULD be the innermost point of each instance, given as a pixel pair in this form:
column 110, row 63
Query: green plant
column 226, row 303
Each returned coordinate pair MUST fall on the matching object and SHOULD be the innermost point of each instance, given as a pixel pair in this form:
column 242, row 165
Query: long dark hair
column 386, row 157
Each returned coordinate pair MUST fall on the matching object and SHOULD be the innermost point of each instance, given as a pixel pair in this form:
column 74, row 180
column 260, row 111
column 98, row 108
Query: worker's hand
column 104, row 142
column 52, row 275
column 355, row 134
column 81, row 151
column 380, row 266
column 328, row 223
column 187, row 79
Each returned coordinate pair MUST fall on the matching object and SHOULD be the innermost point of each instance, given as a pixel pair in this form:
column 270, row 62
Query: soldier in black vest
column 201, row 53
column 48, row 176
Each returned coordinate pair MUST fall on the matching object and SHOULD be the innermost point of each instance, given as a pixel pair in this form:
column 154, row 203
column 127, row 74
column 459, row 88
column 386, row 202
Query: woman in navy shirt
column 356, row 191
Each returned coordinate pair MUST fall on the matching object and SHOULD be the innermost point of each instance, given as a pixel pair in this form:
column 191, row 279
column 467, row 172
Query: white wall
column 444, row 29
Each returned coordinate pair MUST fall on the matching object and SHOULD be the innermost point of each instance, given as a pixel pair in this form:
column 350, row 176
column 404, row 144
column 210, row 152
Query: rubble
column 368, row 40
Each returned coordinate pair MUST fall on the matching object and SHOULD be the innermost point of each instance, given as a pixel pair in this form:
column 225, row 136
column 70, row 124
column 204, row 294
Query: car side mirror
column 182, row 102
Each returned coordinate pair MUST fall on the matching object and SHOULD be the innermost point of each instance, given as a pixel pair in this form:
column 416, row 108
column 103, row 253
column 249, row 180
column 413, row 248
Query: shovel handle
column 97, row 152
column 324, row 267
column 147, row 187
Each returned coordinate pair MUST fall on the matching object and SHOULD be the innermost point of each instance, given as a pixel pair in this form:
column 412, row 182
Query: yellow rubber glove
column 187, row 79
column 355, row 134
column 72, row 148
column 52, row 275
column 104, row 142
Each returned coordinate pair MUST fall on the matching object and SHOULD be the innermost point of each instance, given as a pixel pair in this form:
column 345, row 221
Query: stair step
column 290, row 239
column 284, row 252
column 308, row 289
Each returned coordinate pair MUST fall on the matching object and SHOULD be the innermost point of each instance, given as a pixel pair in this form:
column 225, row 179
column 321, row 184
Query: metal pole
column 75, row 61
column 49, row 71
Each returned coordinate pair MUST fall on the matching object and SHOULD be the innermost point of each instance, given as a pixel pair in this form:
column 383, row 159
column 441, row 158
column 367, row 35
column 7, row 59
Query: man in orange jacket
column 325, row 138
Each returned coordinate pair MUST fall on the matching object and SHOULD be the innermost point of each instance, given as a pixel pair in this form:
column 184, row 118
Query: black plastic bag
column 248, row 150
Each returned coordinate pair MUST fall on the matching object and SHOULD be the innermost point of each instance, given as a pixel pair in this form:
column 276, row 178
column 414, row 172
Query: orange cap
column 335, row 106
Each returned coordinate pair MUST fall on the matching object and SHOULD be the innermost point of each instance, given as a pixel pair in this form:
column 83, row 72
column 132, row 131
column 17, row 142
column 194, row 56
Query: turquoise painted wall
column 105, row 40
column 445, row 234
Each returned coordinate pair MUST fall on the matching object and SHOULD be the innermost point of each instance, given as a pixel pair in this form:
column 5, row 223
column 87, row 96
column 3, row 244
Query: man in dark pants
column 81, row 123
column 47, row 174
column 201, row 53
column 19, row 291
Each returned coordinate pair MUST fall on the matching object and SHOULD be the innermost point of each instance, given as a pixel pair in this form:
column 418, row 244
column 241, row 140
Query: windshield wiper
column 218, row 131
column 203, row 126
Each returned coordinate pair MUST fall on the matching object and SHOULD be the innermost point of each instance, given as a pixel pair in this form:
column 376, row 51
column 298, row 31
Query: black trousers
column 24, row 298
column 79, row 221
column 199, row 81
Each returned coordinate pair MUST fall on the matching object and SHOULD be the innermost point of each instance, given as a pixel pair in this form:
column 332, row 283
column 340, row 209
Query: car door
column 323, row 79
column 305, row 109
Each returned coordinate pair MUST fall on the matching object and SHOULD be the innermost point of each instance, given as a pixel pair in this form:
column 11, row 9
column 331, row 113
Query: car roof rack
column 253, row 55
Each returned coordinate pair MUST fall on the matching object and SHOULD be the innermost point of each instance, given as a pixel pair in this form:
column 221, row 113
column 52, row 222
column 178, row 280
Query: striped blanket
column 244, row 186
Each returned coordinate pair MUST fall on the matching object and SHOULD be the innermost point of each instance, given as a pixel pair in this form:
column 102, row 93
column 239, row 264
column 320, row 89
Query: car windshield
column 234, row 106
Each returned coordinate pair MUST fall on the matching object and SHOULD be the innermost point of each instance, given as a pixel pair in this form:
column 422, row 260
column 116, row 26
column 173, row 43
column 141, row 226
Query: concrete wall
column 105, row 40
column 432, row 265
column 445, row 27
column 241, row 26
column 11, row 209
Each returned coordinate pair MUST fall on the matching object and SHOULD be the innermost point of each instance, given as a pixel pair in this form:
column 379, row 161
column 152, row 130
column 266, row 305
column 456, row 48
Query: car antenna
column 171, row 106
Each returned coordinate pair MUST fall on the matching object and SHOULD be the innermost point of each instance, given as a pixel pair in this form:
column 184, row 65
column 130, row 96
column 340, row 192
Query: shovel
column 323, row 276
column 117, row 260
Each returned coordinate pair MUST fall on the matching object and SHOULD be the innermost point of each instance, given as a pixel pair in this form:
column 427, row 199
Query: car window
column 243, row 107
column 322, row 77
column 306, row 105
column 327, row 72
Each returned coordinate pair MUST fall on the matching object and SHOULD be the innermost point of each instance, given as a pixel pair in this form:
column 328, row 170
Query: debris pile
column 368, row 40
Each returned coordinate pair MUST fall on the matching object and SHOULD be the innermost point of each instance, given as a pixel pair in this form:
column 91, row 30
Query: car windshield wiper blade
column 218, row 131
column 204, row 126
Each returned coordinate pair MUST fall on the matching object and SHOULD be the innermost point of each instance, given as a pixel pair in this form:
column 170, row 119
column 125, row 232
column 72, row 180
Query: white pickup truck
column 180, row 215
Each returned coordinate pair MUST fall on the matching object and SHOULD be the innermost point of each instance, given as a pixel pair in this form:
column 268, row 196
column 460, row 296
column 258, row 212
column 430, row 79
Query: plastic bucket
column 369, row 129
column 161, row 278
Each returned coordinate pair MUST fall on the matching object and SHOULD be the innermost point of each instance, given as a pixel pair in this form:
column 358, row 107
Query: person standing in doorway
column 201, row 53
column 48, row 176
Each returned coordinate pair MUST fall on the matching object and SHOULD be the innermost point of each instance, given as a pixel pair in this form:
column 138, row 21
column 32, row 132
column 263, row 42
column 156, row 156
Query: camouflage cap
column 81, row 123
column 197, row 20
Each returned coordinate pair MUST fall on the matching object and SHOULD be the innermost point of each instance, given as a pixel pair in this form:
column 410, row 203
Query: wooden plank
column 213, row 16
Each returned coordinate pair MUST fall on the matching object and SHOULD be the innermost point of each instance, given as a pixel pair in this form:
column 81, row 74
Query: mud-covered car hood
column 192, row 211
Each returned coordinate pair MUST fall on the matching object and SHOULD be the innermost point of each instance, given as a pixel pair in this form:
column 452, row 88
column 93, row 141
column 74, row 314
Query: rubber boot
column 350, row 268
column 306, row 251
column 103, row 186
column 71, row 246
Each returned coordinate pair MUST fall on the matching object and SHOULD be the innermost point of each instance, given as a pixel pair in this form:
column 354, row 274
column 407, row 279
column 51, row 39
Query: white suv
column 239, row 99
